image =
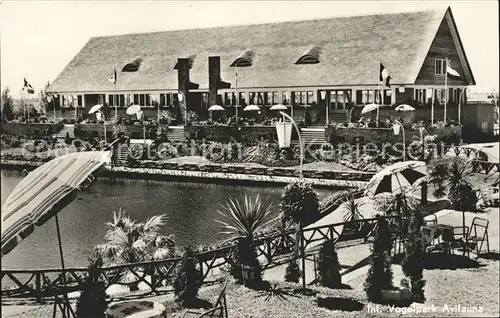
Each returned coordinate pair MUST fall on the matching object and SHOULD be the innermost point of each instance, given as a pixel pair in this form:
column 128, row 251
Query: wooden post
column 301, row 236
column 38, row 287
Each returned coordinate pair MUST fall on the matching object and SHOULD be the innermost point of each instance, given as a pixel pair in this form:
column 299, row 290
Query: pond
column 191, row 209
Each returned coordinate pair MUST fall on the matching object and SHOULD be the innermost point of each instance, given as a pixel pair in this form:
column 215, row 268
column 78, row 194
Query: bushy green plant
column 243, row 221
column 192, row 117
column 188, row 279
column 7, row 105
column 380, row 271
column 92, row 301
column 328, row 270
column 292, row 273
column 299, row 203
column 450, row 177
column 129, row 241
column 413, row 262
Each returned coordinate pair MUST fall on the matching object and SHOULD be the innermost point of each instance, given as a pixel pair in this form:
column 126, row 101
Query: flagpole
column 28, row 105
column 116, row 107
column 378, row 90
column 54, row 102
column 445, row 90
column 236, row 94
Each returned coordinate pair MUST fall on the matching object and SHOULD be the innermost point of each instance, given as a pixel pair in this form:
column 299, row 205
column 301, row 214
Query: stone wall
column 386, row 135
column 97, row 130
column 31, row 129
column 210, row 172
column 225, row 133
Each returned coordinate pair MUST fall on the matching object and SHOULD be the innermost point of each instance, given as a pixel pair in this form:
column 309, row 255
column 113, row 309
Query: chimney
column 183, row 85
column 213, row 79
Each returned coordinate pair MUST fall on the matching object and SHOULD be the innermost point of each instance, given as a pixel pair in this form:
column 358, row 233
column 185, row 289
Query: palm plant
column 450, row 178
column 245, row 220
column 242, row 221
column 128, row 241
column 351, row 207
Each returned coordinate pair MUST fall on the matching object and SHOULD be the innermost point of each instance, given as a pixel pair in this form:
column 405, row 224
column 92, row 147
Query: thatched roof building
column 342, row 53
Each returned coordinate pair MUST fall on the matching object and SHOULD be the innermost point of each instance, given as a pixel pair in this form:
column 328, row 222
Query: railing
column 156, row 275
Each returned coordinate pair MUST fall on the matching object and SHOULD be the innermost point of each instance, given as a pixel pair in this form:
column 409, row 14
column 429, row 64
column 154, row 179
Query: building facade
column 329, row 64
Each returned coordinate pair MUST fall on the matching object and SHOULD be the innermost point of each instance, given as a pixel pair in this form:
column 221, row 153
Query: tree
column 299, row 203
column 7, row 105
column 242, row 221
column 188, row 279
column 449, row 178
column 44, row 98
column 328, row 270
column 380, row 271
column 413, row 263
column 92, row 301
column 129, row 241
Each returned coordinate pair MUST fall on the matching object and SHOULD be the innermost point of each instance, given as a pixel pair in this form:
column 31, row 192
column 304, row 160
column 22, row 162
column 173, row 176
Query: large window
column 72, row 101
column 166, row 100
column 302, row 97
column 145, row 100
column 439, row 66
column 439, row 95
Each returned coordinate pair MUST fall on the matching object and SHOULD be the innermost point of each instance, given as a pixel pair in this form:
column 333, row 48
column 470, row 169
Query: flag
column 27, row 86
column 384, row 76
column 112, row 79
column 451, row 71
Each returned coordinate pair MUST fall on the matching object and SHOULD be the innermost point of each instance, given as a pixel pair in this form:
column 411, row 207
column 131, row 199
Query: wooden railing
column 158, row 275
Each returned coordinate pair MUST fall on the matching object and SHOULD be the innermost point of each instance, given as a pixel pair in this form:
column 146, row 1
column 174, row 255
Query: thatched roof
column 351, row 49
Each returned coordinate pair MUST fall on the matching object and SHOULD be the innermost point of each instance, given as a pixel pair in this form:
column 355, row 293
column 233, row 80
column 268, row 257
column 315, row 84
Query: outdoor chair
column 455, row 239
column 431, row 219
column 219, row 309
column 478, row 235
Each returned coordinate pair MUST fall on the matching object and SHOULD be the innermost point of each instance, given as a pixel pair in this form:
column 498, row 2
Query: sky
column 39, row 38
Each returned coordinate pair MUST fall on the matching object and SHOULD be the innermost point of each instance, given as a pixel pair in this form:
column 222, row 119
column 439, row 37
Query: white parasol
column 95, row 108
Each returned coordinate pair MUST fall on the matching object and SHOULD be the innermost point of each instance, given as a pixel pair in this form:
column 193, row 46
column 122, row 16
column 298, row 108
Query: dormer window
column 133, row 66
column 243, row 60
column 311, row 56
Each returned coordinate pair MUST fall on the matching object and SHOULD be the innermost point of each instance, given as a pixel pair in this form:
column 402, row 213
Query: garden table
column 431, row 232
column 137, row 309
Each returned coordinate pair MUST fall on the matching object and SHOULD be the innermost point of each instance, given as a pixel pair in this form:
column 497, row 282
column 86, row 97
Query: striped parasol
column 397, row 177
column 44, row 192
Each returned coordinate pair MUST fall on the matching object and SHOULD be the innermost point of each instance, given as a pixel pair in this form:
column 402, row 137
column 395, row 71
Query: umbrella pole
column 66, row 304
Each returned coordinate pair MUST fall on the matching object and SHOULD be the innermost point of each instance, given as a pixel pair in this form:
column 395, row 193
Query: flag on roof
column 112, row 79
column 384, row 76
column 27, row 86
column 451, row 71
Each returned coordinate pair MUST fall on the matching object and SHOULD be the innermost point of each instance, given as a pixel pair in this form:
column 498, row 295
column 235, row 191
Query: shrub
column 413, row 263
column 92, row 301
column 188, row 279
column 380, row 272
column 299, row 203
column 463, row 197
column 328, row 270
column 191, row 117
column 292, row 273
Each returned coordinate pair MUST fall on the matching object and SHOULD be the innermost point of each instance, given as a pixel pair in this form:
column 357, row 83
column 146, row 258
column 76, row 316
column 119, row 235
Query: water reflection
column 191, row 209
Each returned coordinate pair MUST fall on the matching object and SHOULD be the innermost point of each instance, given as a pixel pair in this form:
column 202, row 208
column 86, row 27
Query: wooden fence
column 158, row 275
